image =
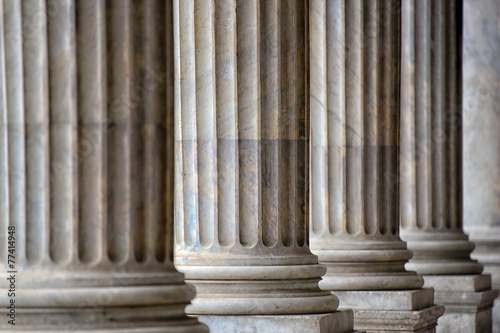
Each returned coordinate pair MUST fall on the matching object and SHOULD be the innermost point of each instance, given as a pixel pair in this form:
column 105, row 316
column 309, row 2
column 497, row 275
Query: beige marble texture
column 355, row 64
column 86, row 167
column 242, row 146
column 431, row 164
column 481, row 135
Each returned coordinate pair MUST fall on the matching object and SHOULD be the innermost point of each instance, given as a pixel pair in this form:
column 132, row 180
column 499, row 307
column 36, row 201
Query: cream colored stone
column 336, row 322
column 85, row 171
column 242, row 147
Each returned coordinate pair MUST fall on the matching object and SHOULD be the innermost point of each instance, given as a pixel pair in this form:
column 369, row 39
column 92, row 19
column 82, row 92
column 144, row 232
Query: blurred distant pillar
column 355, row 66
column 431, row 166
column 481, row 135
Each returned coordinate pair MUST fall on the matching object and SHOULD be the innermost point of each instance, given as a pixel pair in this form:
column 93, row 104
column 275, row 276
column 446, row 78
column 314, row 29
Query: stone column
column 481, row 135
column 86, row 172
column 355, row 65
column 431, row 166
column 242, row 136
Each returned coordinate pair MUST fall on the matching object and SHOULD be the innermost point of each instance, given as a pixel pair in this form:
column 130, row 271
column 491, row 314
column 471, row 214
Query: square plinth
column 419, row 321
column 336, row 322
column 468, row 300
column 392, row 310
column 386, row 300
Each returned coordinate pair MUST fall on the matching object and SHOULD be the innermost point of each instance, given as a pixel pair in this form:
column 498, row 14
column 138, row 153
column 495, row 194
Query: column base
column 187, row 326
column 258, row 290
column 468, row 300
column 127, row 302
column 335, row 322
column 374, row 311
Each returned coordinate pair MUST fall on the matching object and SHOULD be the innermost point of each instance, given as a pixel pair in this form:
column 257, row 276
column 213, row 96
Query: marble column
column 431, row 166
column 355, row 64
column 481, row 136
column 86, row 168
column 241, row 138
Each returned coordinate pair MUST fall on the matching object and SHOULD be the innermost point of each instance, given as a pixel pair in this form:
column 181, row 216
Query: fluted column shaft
column 86, row 151
column 431, row 139
column 355, row 132
column 242, row 136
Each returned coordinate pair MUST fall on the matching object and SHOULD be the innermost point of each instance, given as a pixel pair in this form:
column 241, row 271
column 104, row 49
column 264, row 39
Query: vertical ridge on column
column 120, row 89
column 206, row 120
column 354, row 118
column 249, row 118
column 15, row 117
column 92, row 103
column 336, row 114
column 408, row 93
column 422, row 113
column 37, row 133
column 320, row 198
column 63, row 117
column 227, row 121
column 271, row 103
column 153, row 84
column 4, row 152
column 188, row 121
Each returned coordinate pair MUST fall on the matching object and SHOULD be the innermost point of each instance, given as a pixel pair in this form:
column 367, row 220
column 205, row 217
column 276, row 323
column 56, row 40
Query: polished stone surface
column 86, row 172
column 421, row 321
column 336, row 322
column 468, row 300
column 242, row 147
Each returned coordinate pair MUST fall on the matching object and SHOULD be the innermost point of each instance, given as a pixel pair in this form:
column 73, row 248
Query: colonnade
column 269, row 149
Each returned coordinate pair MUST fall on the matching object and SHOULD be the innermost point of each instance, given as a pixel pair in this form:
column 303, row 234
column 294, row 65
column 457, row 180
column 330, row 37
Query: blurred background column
column 86, row 168
column 431, row 165
column 481, row 135
column 242, row 161
column 355, row 64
